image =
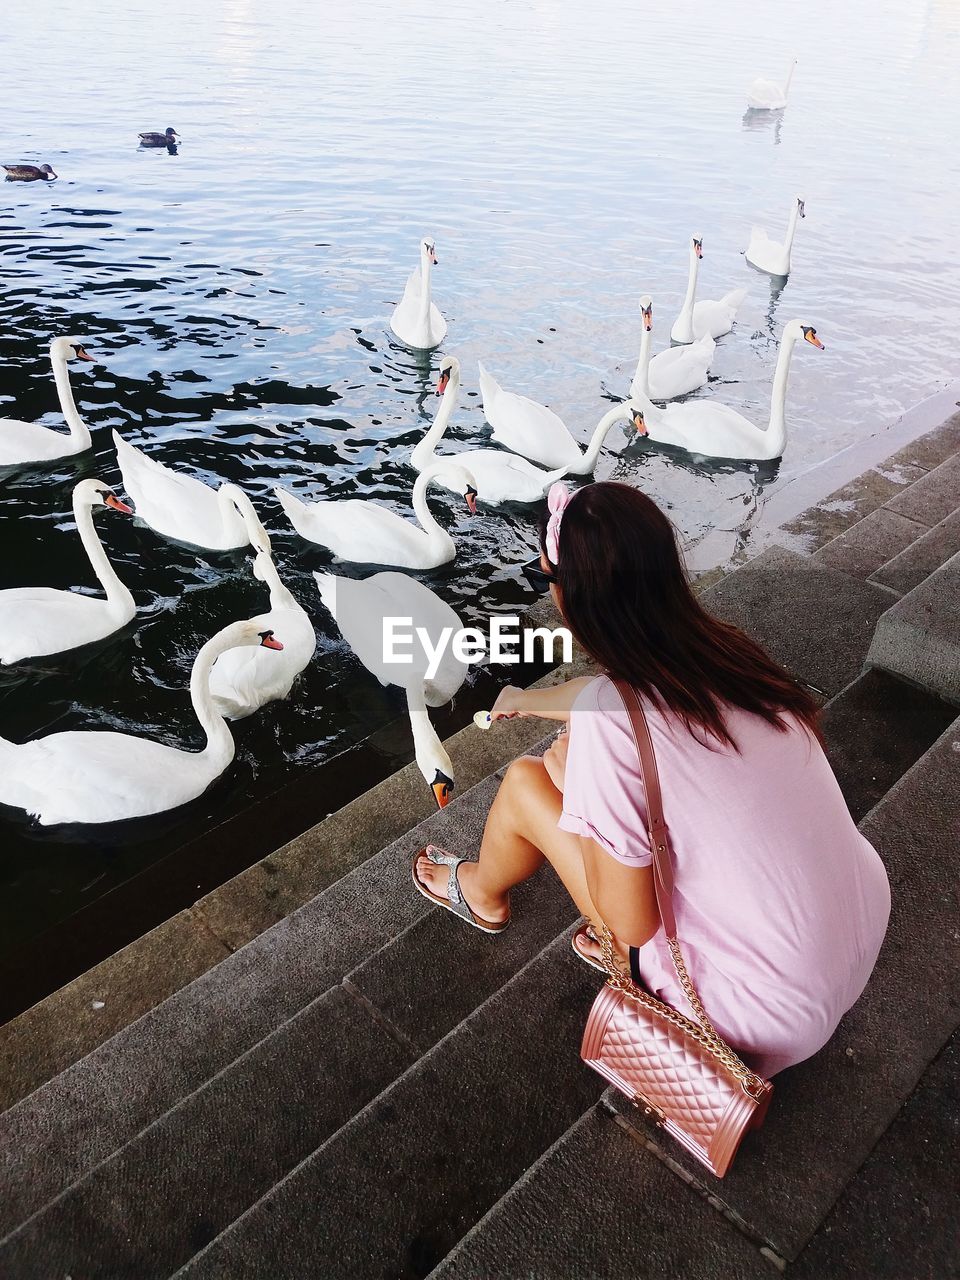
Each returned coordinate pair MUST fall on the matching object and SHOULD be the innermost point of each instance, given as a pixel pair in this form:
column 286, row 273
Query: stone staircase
column 370, row 1089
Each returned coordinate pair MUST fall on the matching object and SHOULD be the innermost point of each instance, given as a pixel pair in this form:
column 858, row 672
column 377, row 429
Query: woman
column 781, row 904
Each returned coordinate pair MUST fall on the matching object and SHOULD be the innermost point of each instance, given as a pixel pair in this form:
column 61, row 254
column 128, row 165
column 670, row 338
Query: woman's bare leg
column 521, row 831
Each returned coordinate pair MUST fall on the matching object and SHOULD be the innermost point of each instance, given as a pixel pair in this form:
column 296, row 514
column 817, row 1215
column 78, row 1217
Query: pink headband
column 558, row 499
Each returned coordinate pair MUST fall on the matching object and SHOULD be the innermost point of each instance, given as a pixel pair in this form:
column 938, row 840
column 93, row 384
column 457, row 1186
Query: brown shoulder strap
column 656, row 827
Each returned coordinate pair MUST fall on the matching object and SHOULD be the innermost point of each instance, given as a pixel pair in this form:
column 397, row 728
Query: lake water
column 237, row 294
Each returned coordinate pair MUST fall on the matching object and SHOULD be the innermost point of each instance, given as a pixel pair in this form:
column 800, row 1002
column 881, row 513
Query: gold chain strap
column 704, row 1034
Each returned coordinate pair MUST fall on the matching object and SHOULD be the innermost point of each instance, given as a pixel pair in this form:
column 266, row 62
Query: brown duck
column 159, row 139
column 29, row 172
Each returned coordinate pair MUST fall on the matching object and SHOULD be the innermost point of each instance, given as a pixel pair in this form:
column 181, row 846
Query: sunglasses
column 538, row 578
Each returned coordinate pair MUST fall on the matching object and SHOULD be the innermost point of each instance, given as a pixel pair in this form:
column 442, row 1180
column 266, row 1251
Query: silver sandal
column 454, row 901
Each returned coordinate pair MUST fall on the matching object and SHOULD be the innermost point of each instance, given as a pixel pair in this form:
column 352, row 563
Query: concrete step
column 66, row 1128
column 392, row 1192
column 919, row 638
column 898, row 1217
column 925, row 556
column 875, row 729
column 828, row 1113
column 774, row 597
column 599, row 1205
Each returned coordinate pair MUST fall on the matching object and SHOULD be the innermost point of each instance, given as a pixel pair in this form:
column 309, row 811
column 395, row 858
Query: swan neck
column 641, row 379
column 778, row 425
column 227, row 500
column 786, row 87
column 119, row 598
column 424, row 451
column 425, row 265
column 791, row 227
column 61, row 375
column 280, row 595
column 438, row 536
column 427, row 747
column 683, row 327
column 220, row 744
column 603, row 428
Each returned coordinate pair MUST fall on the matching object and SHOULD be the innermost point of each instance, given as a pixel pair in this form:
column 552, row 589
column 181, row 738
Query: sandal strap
column 458, row 904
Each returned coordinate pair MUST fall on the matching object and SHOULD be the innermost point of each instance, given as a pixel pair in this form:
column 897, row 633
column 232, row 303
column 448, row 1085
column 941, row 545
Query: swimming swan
column 243, row 680
column 697, row 318
column 673, row 372
column 717, row 431
column 24, row 442
column 499, row 477
column 417, row 320
column 770, row 255
column 100, row 776
column 358, row 530
column 359, row 608
column 767, row 95
column 537, row 433
column 185, row 509
column 36, row 621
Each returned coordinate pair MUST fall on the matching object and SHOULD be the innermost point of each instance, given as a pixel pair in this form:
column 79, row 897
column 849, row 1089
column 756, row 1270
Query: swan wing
column 176, row 505
column 38, row 621
column 504, row 477
column 365, row 533
column 360, row 608
column 533, row 430
column 710, row 428
column 679, row 370
column 22, row 442
column 99, row 776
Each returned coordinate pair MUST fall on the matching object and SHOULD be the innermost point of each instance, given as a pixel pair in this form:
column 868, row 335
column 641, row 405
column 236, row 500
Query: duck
column 767, row 95
column 499, row 477
column 38, row 621
column 22, row 443
column 715, row 430
column 770, row 255
column 360, row 531
column 537, row 433
column 29, row 172
column 416, row 320
column 674, row 372
column 359, row 608
column 95, row 775
column 165, row 139
column 182, row 508
column 697, row 318
column 243, row 680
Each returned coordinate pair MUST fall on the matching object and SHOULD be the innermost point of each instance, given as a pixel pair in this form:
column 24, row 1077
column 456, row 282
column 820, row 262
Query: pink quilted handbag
column 680, row 1072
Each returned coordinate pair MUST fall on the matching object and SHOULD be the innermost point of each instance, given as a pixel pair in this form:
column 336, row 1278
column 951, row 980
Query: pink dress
column 781, row 903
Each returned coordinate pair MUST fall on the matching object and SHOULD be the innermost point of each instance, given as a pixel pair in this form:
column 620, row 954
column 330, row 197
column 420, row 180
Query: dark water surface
column 237, row 295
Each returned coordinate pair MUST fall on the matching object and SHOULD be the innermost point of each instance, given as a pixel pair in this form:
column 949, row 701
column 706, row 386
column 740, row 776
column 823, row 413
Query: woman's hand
column 555, row 759
column 510, row 702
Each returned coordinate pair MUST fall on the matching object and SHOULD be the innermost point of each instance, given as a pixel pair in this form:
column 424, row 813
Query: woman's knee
column 525, row 773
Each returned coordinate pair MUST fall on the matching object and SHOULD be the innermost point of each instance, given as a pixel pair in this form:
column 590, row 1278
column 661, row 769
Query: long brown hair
column 626, row 598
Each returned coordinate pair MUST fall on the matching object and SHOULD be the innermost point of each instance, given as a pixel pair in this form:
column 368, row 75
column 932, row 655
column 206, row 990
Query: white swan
column 767, row 95
column 537, row 433
column 185, row 509
column 359, row 609
column 243, row 680
column 357, row 530
column 717, row 431
column 770, row 255
column 25, row 442
column 697, row 318
column 36, row 621
column 100, row 776
column 499, row 477
column 674, row 372
column 417, row 320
